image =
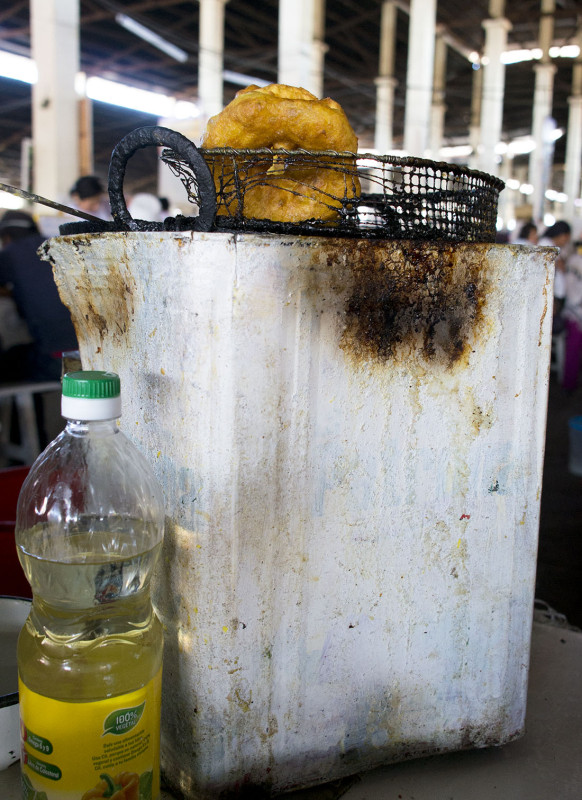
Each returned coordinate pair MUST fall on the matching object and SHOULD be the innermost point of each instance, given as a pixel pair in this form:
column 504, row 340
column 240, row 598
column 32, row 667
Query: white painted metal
column 54, row 30
column 348, row 571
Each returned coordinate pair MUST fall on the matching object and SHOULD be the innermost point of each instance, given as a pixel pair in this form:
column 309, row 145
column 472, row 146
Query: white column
column 496, row 30
column 573, row 156
column 574, row 141
column 475, row 123
column 86, row 150
column 385, row 82
column 539, row 168
column 318, row 48
column 26, row 164
column 383, row 132
column 506, row 205
column 211, row 52
column 419, row 72
column 438, row 109
column 301, row 44
column 542, row 128
column 54, row 28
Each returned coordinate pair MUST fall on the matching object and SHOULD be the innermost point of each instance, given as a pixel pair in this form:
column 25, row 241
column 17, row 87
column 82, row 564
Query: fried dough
column 284, row 189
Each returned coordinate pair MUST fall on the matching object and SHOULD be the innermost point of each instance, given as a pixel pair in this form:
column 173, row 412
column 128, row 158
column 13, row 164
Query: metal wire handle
column 157, row 136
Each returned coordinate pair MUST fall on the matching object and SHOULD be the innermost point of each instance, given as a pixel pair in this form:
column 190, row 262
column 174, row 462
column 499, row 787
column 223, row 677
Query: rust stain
column 119, row 290
column 93, row 319
column 424, row 297
column 481, row 419
column 272, row 729
column 544, row 312
column 244, row 703
column 104, row 289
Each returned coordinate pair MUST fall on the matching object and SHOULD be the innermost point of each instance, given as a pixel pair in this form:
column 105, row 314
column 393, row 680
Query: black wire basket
column 311, row 193
column 371, row 195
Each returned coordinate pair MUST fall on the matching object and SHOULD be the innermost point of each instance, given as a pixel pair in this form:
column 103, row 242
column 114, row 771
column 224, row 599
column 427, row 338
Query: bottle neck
column 97, row 427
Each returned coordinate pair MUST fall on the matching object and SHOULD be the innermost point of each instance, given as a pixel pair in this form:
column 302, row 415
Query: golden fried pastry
column 283, row 189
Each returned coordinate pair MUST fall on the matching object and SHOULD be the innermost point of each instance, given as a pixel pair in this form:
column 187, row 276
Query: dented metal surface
column 349, row 435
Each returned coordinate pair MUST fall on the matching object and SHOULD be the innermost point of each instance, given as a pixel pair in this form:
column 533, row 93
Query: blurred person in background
column 13, row 329
column 558, row 235
column 144, row 205
column 528, row 234
column 31, row 284
column 88, row 194
column 572, row 314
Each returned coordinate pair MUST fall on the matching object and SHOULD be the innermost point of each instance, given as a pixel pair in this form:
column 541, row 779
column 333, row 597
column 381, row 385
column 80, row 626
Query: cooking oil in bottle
column 89, row 531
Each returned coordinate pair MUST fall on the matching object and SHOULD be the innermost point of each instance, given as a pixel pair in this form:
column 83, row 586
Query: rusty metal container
column 349, row 435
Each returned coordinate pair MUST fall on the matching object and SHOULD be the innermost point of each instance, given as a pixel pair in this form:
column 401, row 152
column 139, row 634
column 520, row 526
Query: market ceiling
column 251, row 31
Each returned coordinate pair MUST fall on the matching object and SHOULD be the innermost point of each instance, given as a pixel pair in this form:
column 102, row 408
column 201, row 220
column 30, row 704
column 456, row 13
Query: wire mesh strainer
column 303, row 192
column 400, row 198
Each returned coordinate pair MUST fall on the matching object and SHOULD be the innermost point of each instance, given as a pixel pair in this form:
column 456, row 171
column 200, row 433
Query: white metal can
column 349, row 434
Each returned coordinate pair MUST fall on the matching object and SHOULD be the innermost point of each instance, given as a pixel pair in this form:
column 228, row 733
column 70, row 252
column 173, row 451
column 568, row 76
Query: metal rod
column 45, row 202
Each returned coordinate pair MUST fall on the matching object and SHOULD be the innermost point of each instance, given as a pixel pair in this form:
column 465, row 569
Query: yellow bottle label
column 86, row 751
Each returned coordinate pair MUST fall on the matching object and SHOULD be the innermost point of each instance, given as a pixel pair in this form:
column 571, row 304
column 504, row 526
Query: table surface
column 544, row 763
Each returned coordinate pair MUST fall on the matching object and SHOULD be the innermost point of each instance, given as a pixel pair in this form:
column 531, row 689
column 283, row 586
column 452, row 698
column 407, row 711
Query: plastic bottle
column 89, row 530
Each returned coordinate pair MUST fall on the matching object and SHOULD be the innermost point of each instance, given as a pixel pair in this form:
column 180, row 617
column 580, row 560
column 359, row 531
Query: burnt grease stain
column 426, row 298
column 103, row 306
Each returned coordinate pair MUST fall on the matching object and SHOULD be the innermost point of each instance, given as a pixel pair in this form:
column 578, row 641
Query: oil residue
column 103, row 295
column 419, row 297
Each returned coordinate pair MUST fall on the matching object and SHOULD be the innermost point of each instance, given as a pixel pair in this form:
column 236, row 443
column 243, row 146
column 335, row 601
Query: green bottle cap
column 91, row 395
column 91, row 385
